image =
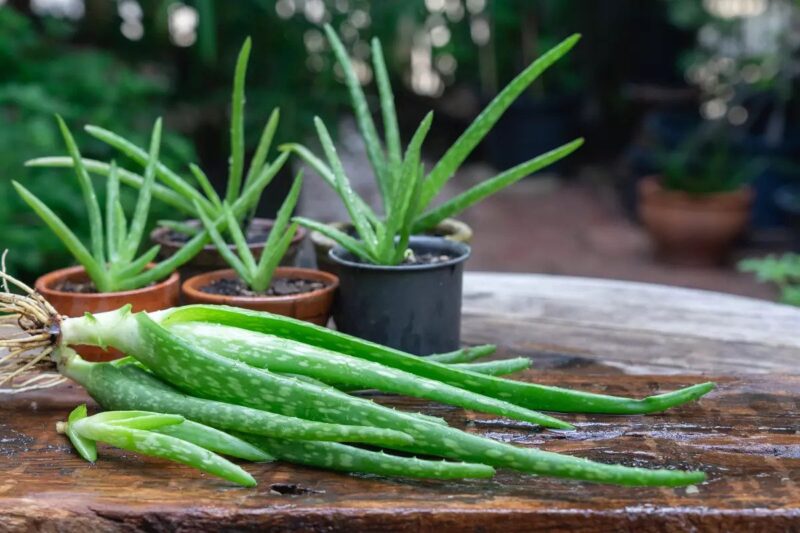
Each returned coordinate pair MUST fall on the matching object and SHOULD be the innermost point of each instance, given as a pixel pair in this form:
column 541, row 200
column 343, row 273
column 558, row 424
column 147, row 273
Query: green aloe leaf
column 86, row 448
column 490, row 186
column 164, row 194
column 205, row 184
column 142, row 208
column 279, row 238
column 237, row 124
column 62, row 231
column 222, row 246
column 326, row 173
column 361, row 109
column 347, row 242
column 89, row 196
column 360, row 220
column 475, row 133
column 170, row 178
column 392, row 131
column 112, row 197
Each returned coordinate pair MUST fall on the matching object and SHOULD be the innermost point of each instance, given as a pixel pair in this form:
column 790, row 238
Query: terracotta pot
column 209, row 258
column 161, row 295
column 689, row 229
column 314, row 306
column 449, row 228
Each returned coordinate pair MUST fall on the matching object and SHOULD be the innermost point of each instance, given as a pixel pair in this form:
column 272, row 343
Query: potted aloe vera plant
column 700, row 202
column 398, row 286
column 186, row 197
column 111, row 272
column 260, row 285
column 386, row 165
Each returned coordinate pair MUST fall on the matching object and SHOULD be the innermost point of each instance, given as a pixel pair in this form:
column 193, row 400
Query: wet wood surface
column 745, row 434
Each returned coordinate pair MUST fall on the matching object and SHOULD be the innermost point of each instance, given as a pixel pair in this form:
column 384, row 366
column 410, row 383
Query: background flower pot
column 314, row 306
column 414, row 308
column 692, row 230
column 161, row 295
column 209, row 259
column 449, row 228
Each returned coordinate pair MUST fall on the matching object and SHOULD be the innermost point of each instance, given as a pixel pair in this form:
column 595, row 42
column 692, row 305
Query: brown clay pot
column 314, row 306
column 209, row 258
column 161, row 295
column 692, row 230
column 449, row 228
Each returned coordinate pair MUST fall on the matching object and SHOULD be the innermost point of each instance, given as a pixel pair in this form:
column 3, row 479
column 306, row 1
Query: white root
column 26, row 350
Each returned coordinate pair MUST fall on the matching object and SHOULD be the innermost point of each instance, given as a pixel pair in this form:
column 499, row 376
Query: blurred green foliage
column 706, row 162
column 782, row 271
column 81, row 84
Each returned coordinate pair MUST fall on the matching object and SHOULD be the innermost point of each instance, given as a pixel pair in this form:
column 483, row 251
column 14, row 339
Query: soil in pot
column 279, row 287
column 413, row 307
column 692, row 230
column 71, row 292
column 209, row 258
column 300, row 293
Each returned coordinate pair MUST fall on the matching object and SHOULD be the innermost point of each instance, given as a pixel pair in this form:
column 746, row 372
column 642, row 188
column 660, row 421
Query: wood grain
column 744, row 435
column 633, row 327
column 588, row 334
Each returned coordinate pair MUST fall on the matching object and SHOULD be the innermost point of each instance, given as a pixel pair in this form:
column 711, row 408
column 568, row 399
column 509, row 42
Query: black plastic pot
column 413, row 308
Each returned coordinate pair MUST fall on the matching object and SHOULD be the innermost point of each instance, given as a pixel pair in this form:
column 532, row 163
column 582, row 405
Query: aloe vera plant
column 269, row 381
column 178, row 192
column 111, row 260
column 257, row 274
column 407, row 191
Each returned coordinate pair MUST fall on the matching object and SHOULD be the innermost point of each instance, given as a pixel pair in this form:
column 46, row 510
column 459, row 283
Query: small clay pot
column 209, row 258
column 313, row 306
column 689, row 229
column 449, row 228
column 161, row 295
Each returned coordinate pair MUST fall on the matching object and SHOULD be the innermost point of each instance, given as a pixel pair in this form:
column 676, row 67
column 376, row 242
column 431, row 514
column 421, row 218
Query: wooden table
column 604, row 336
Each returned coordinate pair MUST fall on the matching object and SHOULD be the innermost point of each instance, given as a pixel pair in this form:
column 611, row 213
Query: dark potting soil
column 279, row 287
column 259, row 237
column 79, row 287
column 426, row 259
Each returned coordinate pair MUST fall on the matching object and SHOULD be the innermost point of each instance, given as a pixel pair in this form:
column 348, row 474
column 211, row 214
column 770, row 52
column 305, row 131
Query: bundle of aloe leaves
column 202, row 379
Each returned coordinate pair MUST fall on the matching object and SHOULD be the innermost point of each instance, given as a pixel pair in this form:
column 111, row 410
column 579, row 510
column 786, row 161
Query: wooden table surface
column 603, row 336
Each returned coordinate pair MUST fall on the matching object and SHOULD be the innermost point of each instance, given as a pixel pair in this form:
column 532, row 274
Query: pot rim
column 462, row 249
column 43, row 282
column 158, row 235
column 188, row 286
column 458, row 228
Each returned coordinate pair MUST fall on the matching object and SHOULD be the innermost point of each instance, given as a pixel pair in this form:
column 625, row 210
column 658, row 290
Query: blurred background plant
column 746, row 67
column 81, row 84
column 646, row 76
column 783, row 271
column 706, row 162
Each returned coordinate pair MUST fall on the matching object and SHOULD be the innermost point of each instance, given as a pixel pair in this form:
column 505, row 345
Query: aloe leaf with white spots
column 281, row 355
column 145, row 337
column 179, row 377
column 120, row 433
